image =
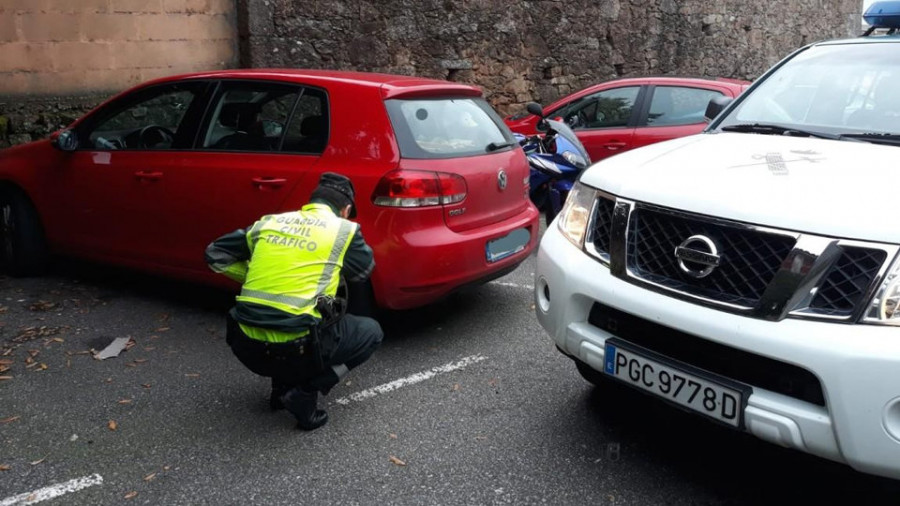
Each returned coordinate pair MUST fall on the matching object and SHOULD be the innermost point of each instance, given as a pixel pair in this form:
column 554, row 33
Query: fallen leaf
column 6, row 361
column 146, row 385
column 112, row 425
column 43, row 367
column 192, row 375
column 29, row 360
column 393, row 436
column 109, row 380
column 4, row 467
column 149, row 348
column 10, row 419
column 140, row 360
column 149, row 476
column 125, row 401
column 166, row 468
column 162, row 329
column 6, row 377
column 4, row 368
column 397, row 461
column 130, row 364
column 36, row 462
column 456, row 387
column 131, row 495
column 58, row 340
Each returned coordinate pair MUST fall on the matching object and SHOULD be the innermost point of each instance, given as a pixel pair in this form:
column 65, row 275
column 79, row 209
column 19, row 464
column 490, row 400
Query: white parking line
column 53, row 491
column 409, row 380
column 514, row 285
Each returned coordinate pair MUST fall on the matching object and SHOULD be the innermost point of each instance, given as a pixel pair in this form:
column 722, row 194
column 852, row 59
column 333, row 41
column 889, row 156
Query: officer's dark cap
column 336, row 189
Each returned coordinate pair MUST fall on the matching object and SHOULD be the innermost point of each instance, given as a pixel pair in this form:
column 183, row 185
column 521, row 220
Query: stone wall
column 519, row 51
column 516, row 51
column 80, row 51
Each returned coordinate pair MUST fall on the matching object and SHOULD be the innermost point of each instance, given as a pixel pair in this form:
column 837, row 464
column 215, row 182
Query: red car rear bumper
column 444, row 261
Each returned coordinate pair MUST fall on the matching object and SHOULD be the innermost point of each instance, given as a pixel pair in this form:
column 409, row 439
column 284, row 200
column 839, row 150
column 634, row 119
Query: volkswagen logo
column 501, row 179
column 697, row 256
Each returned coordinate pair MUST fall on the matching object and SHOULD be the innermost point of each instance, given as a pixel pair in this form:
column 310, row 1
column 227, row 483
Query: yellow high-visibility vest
column 295, row 258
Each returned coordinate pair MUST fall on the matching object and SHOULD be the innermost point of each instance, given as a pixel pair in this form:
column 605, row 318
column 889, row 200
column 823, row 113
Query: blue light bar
column 883, row 14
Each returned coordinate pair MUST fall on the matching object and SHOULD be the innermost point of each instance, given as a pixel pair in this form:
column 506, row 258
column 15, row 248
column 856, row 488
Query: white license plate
column 692, row 388
column 510, row 244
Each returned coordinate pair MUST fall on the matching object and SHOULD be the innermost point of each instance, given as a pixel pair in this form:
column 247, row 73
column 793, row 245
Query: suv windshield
column 843, row 89
column 446, row 128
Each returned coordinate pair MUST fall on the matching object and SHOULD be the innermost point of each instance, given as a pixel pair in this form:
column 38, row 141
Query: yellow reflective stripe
column 253, row 234
column 344, row 233
column 297, row 302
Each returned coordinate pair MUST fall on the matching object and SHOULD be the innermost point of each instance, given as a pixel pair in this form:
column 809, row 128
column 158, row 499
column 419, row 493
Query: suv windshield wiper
column 770, row 129
column 876, row 138
column 494, row 146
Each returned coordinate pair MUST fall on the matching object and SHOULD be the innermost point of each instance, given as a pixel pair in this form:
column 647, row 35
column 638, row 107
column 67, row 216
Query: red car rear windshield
column 447, row 127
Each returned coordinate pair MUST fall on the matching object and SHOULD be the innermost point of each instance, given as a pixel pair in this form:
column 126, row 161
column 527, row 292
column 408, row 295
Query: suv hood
column 842, row 189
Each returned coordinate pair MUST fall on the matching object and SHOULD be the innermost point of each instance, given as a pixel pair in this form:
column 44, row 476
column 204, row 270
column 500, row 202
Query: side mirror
column 535, row 108
column 715, row 106
column 66, row 140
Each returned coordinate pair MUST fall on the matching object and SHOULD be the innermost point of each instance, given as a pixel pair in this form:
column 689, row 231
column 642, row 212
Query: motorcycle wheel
column 23, row 248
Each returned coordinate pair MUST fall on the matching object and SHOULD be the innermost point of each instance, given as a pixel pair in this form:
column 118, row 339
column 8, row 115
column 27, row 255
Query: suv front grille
column 848, row 281
column 750, row 258
column 759, row 272
column 601, row 228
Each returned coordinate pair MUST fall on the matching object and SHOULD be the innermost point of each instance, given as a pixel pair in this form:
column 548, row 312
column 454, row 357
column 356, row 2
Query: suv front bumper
column 857, row 366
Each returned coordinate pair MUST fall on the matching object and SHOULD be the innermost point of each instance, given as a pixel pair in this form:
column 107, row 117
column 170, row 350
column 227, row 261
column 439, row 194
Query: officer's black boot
column 302, row 405
column 278, row 389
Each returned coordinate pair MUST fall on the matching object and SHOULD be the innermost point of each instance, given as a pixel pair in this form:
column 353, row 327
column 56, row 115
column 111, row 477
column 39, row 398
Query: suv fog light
column 542, row 295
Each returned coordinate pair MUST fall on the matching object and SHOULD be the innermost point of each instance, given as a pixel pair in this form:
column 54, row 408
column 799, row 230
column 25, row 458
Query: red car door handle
column 268, row 182
column 145, row 175
column 614, row 145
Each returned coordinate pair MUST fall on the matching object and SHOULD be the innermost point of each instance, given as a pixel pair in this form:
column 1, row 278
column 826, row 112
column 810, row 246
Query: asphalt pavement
column 466, row 402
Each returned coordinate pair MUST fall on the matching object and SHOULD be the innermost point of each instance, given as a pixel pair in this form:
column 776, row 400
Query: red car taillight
column 419, row 188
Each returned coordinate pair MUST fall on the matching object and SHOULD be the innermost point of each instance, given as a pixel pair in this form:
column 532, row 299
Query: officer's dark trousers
column 349, row 342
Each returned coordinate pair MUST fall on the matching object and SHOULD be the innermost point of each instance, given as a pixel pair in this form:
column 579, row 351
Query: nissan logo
column 501, row 179
column 697, row 256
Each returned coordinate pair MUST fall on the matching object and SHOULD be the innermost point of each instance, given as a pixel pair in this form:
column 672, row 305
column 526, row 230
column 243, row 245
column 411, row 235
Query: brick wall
column 65, row 47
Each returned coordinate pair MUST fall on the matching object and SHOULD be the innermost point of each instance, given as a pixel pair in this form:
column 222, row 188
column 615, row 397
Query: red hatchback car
column 623, row 114
column 150, row 177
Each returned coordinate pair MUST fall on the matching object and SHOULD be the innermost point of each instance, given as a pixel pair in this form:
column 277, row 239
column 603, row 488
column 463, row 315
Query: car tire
column 23, row 247
column 361, row 299
column 590, row 374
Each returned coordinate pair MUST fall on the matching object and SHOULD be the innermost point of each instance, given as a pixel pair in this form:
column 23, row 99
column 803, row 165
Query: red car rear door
column 673, row 111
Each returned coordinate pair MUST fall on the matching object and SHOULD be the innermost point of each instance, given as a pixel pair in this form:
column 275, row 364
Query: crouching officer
column 290, row 267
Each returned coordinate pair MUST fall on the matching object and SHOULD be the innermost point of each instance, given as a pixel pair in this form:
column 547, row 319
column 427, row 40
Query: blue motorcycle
column 555, row 159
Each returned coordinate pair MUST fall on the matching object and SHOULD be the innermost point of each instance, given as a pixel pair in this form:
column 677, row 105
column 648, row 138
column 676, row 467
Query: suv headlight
column 575, row 214
column 883, row 308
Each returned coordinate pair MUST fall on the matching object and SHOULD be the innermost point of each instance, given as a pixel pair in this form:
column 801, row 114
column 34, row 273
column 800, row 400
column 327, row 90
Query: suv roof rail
column 885, row 14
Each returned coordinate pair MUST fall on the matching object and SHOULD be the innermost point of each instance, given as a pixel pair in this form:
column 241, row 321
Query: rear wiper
column 494, row 146
column 770, row 129
column 876, row 138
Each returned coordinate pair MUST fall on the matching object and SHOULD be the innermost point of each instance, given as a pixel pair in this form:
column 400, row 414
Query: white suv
column 750, row 273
